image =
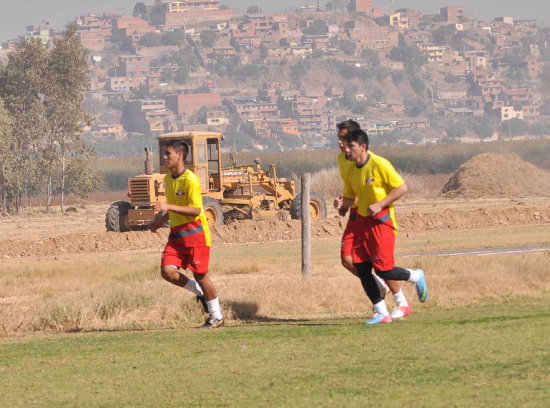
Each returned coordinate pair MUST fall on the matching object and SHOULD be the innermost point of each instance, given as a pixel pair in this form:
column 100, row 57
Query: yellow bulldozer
column 235, row 192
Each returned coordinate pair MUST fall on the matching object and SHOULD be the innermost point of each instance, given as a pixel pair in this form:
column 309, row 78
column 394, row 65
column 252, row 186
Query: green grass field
column 483, row 355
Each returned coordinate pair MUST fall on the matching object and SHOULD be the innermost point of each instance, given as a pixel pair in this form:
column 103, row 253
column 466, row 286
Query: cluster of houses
column 473, row 81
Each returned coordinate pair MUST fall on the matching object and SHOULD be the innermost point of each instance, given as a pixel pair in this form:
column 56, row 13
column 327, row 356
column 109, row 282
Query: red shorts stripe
column 190, row 234
column 195, row 259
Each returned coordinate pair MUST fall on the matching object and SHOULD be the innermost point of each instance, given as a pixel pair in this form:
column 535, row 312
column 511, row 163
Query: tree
column 545, row 74
column 141, row 11
column 410, row 55
column 182, row 74
column 514, row 127
column 66, row 83
column 290, row 141
column 208, row 38
column 418, row 85
column 397, row 77
column 299, row 71
column 414, row 106
column 456, row 129
column 349, row 99
column 347, row 47
column 253, row 10
column 483, row 128
column 371, row 56
column 317, row 28
column 7, row 159
column 22, row 87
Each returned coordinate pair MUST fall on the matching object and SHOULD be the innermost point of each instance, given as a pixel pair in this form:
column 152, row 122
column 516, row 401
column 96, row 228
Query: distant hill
column 13, row 23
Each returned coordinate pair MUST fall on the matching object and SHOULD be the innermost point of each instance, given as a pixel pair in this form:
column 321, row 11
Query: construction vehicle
column 233, row 193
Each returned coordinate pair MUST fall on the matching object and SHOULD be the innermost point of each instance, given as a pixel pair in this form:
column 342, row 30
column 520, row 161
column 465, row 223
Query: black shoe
column 212, row 323
column 202, row 299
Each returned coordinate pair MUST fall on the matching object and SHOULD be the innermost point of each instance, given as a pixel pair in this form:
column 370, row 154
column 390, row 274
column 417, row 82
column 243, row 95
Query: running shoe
column 421, row 287
column 401, row 312
column 212, row 323
column 379, row 318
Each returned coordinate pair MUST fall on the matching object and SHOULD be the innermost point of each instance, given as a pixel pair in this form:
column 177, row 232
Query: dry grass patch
column 328, row 183
column 254, row 282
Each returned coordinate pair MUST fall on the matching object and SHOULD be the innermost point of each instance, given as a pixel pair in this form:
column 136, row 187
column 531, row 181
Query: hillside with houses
column 282, row 81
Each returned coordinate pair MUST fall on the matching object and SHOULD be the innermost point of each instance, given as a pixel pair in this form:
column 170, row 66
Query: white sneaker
column 401, row 312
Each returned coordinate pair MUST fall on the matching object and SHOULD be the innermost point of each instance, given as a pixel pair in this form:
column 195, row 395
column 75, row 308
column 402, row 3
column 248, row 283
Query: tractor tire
column 117, row 217
column 212, row 210
column 317, row 205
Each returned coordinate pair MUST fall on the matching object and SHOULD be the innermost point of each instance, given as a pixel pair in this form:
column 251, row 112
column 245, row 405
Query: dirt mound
column 491, row 175
column 269, row 231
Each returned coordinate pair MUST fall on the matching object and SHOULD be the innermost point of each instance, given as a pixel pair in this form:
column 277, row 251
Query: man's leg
column 371, row 288
column 415, row 276
column 198, row 263
column 170, row 273
column 347, row 262
column 351, row 242
column 215, row 318
column 381, row 246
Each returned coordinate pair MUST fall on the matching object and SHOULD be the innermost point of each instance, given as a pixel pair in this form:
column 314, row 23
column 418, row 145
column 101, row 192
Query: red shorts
column 194, row 258
column 352, row 232
column 377, row 241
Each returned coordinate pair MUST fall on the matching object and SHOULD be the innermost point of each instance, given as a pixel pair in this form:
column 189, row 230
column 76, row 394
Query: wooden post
column 306, row 227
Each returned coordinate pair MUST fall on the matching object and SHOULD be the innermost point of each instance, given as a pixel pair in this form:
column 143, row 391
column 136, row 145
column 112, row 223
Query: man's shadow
column 248, row 312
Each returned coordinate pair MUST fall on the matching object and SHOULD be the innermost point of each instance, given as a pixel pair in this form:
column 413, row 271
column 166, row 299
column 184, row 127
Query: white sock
column 193, row 286
column 380, row 308
column 415, row 275
column 214, row 309
column 400, row 299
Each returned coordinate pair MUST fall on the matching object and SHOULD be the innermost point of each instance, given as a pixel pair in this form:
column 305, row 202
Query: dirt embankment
column 268, row 231
column 492, row 175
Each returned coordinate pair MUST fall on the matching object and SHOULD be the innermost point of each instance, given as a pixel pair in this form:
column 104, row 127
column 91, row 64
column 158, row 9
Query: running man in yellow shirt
column 348, row 238
column 374, row 185
column 189, row 240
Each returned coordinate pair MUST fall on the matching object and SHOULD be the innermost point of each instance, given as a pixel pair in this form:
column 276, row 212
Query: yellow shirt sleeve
column 390, row 176
column 349, row 192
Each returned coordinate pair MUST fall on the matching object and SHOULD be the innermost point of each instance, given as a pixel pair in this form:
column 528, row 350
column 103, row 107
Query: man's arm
column 159, row 222
column 393, row 196
column 178, row 209
column 346, row 204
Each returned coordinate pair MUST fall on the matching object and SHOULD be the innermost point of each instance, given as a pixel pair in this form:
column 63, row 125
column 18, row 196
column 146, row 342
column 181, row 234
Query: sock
column 193, row 286
column 415, row 275
column 400, row 299
column 380, row 308
column 214, row 309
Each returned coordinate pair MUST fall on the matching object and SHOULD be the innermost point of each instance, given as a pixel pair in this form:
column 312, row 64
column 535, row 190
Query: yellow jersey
column 185, row 190
column 371, row 183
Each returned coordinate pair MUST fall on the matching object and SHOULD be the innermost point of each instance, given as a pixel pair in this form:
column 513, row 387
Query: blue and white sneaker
column 421, row 287
column 379, row 318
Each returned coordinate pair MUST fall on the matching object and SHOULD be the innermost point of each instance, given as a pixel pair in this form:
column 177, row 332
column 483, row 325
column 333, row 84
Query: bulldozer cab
column 203, row 159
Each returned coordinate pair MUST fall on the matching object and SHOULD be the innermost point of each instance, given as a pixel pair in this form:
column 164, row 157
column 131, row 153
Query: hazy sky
column 29, row 12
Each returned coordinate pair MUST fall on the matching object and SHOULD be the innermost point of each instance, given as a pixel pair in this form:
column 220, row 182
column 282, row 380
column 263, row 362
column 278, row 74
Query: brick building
column 190, row 103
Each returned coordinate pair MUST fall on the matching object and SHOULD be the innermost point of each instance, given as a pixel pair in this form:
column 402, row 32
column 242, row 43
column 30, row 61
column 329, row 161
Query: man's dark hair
column 358, row 136
column 349, row 124
column 179, row 146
